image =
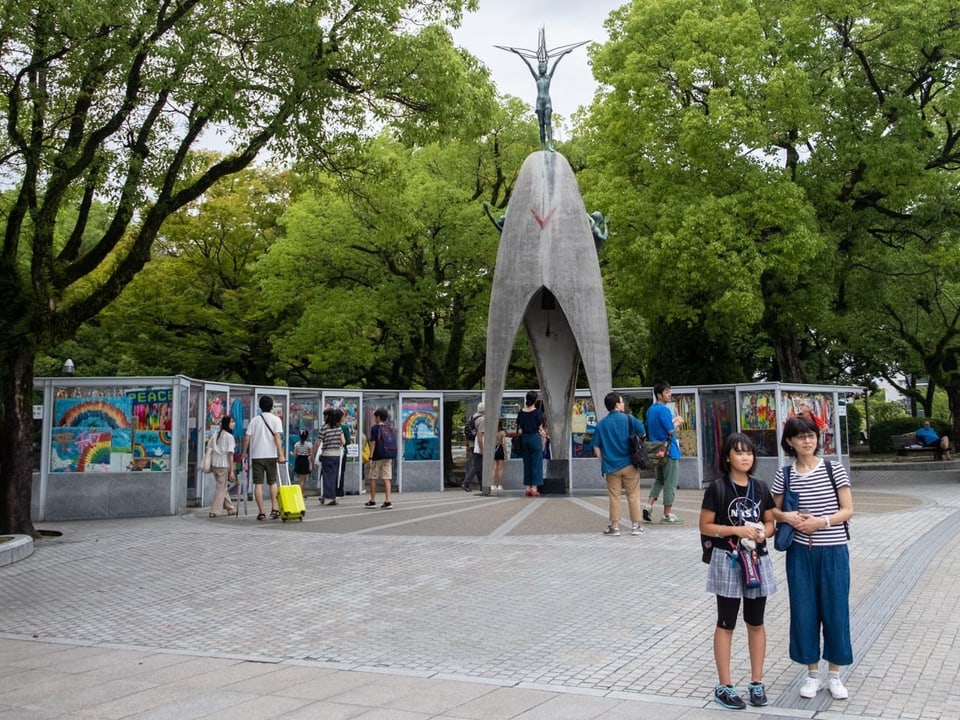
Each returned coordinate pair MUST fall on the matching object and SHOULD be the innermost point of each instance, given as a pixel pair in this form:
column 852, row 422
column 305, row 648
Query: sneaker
column 369, row 503
column 837, row 689
column 636, row 529
column 466, row 486
column 727, row 696
column 811, row 686
column 671, row 519
column 648, row 513
column 386, row 506
column 612, row 530
column 758, row 695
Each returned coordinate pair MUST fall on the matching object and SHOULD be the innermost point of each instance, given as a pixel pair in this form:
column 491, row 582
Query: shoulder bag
column 206, row 465
column 783, row 535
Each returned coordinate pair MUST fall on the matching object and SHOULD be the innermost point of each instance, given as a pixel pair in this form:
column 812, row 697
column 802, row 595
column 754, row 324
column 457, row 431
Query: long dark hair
column 224, row 425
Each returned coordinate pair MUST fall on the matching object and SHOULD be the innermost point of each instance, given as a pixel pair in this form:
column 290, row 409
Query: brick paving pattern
column 465, row 606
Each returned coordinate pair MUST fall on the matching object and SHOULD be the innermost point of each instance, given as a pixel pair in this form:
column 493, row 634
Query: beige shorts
column 381, row 469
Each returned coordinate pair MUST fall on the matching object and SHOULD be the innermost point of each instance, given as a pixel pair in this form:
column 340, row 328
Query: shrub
column 850, row 425
column 882, row 431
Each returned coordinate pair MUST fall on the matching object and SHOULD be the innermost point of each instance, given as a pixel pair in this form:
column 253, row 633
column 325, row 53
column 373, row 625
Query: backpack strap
column 833, row 481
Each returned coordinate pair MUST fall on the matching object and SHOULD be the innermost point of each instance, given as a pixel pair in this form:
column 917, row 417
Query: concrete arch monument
column 547, row 278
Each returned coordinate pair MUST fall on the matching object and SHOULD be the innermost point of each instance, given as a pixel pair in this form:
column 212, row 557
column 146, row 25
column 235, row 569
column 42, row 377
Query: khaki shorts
column 381, row 469
column 264, row 467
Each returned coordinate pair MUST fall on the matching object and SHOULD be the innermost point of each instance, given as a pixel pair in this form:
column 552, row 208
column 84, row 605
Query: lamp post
column 68, row 367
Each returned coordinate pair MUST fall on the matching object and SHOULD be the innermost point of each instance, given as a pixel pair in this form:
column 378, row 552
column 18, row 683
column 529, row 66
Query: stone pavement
column 454, row 605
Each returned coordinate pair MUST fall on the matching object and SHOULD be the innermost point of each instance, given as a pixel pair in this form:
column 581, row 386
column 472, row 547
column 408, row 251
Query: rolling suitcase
column 289, row 496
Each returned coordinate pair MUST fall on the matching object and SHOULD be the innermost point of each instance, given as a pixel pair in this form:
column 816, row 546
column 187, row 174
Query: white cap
column 480, row 407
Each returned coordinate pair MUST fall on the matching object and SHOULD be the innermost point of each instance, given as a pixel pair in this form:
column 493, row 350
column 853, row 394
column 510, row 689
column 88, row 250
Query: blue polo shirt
column 612, row 437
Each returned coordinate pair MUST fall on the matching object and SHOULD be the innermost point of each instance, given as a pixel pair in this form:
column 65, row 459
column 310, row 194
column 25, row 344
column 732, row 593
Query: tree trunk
column 16, row 438
column 953, row 398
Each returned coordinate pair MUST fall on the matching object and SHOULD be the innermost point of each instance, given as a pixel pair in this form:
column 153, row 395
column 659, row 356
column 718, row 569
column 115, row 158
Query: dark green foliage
column 850, row 425
column 882, row 431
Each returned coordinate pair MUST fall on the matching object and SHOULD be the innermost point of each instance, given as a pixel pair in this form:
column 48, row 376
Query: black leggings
column 728, row 607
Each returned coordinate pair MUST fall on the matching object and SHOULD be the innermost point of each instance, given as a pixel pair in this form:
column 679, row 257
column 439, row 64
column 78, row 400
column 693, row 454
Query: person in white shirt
column 263, row 440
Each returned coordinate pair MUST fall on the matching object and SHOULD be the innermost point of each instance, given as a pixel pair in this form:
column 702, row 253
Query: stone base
column 15, row 547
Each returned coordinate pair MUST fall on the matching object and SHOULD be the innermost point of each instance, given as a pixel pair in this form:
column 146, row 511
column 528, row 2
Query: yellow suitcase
column 289, row 497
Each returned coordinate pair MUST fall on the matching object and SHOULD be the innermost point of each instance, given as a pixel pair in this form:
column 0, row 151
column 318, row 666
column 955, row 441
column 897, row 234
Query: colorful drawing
column 152, row 408
column 418, row 427
column 113, row 412
column 758, row 410
column 80, row 450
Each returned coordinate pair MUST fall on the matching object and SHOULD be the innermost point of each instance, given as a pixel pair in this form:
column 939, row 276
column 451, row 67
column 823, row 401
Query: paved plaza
column 454, row 605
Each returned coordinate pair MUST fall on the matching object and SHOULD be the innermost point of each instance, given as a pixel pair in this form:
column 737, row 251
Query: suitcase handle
column 283, row 472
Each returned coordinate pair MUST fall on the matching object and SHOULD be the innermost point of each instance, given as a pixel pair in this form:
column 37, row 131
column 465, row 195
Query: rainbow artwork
column 152, row 450
column 418, row 426
column 111, row 412
column 80, row 450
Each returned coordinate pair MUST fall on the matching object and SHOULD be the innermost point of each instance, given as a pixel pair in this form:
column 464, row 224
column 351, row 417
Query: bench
column 906, row 445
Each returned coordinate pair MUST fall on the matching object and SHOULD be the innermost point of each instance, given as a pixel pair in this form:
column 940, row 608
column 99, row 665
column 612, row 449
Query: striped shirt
column 331, row 440
column 817, row 497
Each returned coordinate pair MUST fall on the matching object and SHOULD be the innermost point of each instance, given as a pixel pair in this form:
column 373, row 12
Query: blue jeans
column 531, row 452
column 819, row 583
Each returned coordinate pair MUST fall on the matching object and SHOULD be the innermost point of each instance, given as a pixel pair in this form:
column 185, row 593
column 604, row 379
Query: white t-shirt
column 224, row 445
column 260, row 431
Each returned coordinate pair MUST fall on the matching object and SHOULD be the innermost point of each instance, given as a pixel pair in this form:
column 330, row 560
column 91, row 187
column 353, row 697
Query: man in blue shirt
column 662, row 427
column 931, row 438
column 611, row 443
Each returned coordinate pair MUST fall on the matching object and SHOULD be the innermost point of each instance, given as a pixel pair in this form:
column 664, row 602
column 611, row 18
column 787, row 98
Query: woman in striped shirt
column 818, row 561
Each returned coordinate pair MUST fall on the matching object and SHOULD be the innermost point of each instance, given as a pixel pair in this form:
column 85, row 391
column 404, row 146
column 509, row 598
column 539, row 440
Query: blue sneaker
column 757, row 694
column 727, row 696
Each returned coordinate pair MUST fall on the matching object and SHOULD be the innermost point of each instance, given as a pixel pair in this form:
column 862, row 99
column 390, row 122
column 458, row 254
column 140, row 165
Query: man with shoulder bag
column 611, row 444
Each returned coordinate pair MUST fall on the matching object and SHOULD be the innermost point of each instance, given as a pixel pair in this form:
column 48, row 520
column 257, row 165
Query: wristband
column 827, row 520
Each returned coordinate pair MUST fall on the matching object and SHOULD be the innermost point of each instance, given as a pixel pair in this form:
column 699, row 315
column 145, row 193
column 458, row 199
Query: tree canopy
column 770, row 164
column 105, row 102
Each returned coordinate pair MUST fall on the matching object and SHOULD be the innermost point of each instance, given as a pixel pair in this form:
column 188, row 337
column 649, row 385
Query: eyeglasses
column 805, row 436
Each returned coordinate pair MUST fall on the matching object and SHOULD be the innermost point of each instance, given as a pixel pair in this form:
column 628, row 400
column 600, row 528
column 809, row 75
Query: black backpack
column 470, row 429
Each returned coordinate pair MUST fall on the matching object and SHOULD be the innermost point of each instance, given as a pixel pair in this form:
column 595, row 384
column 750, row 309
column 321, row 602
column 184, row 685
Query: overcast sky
column 516, row 23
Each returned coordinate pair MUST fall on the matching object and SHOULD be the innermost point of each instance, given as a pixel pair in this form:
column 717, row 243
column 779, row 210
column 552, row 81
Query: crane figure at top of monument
column 542, row 76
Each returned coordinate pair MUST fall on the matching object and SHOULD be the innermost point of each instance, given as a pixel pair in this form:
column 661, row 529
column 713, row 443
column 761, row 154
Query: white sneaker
column 811, row 686
column 636, row 529
column 837, row 689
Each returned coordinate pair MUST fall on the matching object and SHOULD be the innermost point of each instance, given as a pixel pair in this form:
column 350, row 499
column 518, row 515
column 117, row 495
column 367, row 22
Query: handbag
column 658, row 452
column 365, row 453
column 783, row 535
column 206, row 465
column 749, row 564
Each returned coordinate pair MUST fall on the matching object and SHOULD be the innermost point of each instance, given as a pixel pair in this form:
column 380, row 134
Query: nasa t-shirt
column 735, row 505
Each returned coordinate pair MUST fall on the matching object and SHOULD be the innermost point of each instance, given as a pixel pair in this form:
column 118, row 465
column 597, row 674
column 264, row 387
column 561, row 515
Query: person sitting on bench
column 931, row 438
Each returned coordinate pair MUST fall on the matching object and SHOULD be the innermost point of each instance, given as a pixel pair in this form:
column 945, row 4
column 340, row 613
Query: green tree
column 104, row 101
column 194, row 309
column 765, row 162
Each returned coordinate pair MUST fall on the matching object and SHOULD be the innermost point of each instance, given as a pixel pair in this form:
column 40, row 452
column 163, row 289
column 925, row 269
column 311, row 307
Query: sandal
column 274, row 514
column 231, row 511
column 261, row 516
column 211, row 515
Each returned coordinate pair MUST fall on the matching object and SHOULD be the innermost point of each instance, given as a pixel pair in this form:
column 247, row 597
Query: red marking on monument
column 542, row 221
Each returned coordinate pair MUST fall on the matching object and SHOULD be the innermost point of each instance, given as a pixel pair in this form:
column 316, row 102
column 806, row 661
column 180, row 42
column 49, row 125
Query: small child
column 736, row 517
column 303, row 458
